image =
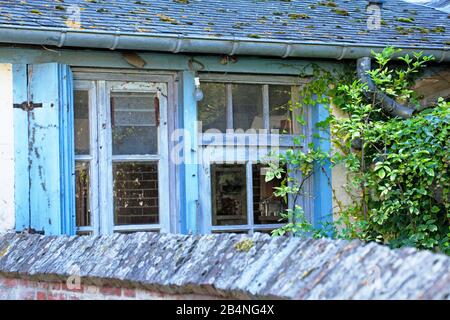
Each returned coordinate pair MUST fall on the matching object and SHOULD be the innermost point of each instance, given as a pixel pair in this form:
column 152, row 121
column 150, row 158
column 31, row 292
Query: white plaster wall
column 342, row 199
column 6, row 149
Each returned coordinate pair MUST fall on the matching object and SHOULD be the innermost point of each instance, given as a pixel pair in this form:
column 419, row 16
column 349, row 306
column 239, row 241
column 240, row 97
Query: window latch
column 27, row 105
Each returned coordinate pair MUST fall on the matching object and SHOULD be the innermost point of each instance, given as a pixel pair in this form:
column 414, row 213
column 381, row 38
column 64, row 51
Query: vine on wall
column 398, row 170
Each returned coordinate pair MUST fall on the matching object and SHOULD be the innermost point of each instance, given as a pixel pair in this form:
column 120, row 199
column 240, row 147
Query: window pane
column 279, row 113
column 134, row 123
column 247, row 106
column 212, row 109
column 82, row 199
column 229, row 195
column 136, row 198
column 266, row 207
column 81, row 115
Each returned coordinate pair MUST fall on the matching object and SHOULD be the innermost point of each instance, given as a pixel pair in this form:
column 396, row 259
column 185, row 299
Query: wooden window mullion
column 249, row 186
column 266, row 107
column 229, row 101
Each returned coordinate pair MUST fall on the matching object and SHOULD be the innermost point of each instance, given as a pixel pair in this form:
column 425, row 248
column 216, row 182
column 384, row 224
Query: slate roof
column 443, row 5
column 230, row 265
column 343, row 21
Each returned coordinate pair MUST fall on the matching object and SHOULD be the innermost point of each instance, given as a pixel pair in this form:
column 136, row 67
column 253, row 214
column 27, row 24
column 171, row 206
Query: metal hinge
column 27, row 105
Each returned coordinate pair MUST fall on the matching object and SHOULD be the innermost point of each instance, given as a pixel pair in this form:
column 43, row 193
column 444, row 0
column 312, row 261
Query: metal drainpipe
column 387, row 104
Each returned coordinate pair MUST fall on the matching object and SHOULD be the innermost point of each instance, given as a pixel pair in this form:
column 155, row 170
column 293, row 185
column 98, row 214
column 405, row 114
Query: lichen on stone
column 296, row 16
column 4, row 251
column 405, row 20
column 244, row 245
column 167, row 19
column 341, row 12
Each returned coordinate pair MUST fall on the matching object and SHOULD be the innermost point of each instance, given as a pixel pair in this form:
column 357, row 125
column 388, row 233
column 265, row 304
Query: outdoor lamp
column 198, row 93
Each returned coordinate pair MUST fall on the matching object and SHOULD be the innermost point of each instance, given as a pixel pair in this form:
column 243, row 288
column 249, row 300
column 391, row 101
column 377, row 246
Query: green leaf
column 269, row 176
column 381, row 173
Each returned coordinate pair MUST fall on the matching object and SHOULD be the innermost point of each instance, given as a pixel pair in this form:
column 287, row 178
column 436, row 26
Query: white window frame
column 212, row 151
column 100, row 84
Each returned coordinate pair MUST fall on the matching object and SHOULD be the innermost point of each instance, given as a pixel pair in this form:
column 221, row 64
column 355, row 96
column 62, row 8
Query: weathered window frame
column 98, row 83
column 212, row 150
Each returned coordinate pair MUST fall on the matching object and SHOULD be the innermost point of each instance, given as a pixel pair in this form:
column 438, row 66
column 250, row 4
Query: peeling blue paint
column 189, row 207
column 44, row 141
column 21, row 163
column 322, row 189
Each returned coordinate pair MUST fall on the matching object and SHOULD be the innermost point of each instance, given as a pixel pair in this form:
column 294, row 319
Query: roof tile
column 344, row 21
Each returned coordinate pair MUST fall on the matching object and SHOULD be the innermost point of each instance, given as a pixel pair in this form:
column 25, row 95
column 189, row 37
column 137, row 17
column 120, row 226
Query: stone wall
column 168, row 266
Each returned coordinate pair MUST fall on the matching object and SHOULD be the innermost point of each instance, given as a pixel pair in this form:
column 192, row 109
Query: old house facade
column 159, row 115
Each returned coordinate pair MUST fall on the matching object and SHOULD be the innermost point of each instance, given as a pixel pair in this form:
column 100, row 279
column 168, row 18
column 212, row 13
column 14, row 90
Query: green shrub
column 401, row 168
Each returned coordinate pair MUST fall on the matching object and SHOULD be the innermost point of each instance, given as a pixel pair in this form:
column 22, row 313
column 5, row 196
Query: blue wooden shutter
column 44, row 149
column 323, row 200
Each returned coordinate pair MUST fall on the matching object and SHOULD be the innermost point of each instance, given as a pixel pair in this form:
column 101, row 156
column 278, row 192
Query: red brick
column 57, row 296
column 31, row 283
column 91, row 289
column 40, row 295
column 52, row 296
column 27, row 295
column 54, row 286
column 111, row 291
column 10, row 283
column 129, row 293
column 65, row 288
column 23, row 282
column 42, row 285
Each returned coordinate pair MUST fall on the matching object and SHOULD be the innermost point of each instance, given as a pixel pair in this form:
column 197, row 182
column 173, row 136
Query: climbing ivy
column 398, row 169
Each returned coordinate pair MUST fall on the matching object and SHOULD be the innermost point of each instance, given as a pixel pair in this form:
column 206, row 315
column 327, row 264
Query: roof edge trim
column 200, row 44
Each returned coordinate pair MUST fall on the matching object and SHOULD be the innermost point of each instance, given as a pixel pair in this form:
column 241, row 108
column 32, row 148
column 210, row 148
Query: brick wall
column 27, row 289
